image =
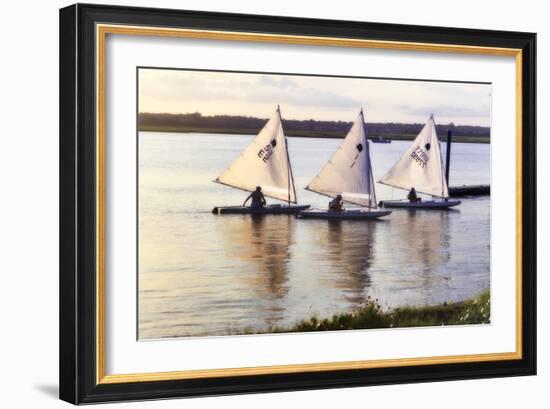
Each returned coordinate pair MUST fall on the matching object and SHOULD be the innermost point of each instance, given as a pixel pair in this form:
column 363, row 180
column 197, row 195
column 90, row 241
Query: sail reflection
column 350, row 252
column 263, row 242
column 420, row 244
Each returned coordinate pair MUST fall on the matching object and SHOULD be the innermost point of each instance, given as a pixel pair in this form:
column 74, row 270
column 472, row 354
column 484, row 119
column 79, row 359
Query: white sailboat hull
column 425, row 204
column 343, row 215
column 270, row 209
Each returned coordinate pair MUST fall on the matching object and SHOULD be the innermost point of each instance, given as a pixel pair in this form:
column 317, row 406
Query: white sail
column 349, row 171
column 421, row 165
column 264, row 163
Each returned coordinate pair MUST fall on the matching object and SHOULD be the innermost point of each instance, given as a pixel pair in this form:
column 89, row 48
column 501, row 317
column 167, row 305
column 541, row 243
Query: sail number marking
column 420, row 156
column 265, row 153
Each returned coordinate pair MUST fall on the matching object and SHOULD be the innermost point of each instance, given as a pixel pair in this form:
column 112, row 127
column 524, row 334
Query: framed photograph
column 257, row 203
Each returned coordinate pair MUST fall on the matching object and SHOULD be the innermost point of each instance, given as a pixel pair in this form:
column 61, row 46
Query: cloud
column 449, row 111
column 307, row 97
column 240, row 87
column 321, row 98
column 278, row 82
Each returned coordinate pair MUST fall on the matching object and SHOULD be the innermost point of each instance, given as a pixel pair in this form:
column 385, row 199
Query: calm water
column 201, row 274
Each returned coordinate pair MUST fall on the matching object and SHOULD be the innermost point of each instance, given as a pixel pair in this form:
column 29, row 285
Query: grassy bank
column 371, row 315
column 302, row 134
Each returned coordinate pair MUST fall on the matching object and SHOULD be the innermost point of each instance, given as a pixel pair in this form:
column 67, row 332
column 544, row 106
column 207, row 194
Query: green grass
column 371, row 315
column 303, row 134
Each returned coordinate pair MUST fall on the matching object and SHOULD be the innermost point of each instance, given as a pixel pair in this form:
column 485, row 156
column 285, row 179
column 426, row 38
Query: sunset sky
column 319, row 98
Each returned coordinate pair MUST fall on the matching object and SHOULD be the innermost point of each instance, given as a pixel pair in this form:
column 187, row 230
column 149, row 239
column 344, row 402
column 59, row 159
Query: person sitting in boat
column 336, row 204
column 258, row 199
column 413, row 197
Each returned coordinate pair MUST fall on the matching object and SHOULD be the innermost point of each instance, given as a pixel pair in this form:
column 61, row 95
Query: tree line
column 196, row 122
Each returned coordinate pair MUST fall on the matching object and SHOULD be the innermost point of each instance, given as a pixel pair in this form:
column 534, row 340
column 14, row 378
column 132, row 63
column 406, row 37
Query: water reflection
column 421, row 233
column 350, row 251
column 421, row 246
column 265, row 242
column 202, row 275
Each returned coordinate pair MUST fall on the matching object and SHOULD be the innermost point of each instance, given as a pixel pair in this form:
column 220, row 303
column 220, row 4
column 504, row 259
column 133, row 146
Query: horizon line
column 308, row 119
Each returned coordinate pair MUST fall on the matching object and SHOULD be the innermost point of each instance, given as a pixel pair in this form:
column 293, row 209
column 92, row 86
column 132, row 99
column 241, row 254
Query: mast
column 289, row 169
column 444, row 173
column 369, row 163
column 448, row 161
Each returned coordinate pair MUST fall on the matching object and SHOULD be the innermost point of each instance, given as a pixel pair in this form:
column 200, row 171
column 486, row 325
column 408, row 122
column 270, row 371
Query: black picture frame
column 78, row 312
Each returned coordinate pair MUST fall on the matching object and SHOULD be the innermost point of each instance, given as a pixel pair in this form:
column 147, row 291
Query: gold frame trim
column 102, row 30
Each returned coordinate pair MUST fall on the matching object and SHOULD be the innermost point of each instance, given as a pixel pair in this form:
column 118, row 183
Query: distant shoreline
column 309, row 128
column 304, row 133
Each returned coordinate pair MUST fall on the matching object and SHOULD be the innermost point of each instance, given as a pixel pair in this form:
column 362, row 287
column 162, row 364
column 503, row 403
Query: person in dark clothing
column 336, row 204
column 413, row 197
column 258, row 199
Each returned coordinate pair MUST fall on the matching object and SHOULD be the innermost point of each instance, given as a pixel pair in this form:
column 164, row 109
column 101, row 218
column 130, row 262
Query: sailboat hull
column 425, row 204
column 343, row 215
column 271, row 209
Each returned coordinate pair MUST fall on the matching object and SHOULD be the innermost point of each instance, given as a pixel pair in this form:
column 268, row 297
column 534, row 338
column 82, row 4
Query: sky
column 310, row 97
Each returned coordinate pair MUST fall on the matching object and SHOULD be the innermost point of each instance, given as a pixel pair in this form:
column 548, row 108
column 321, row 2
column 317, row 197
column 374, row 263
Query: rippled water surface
column 201, row 274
